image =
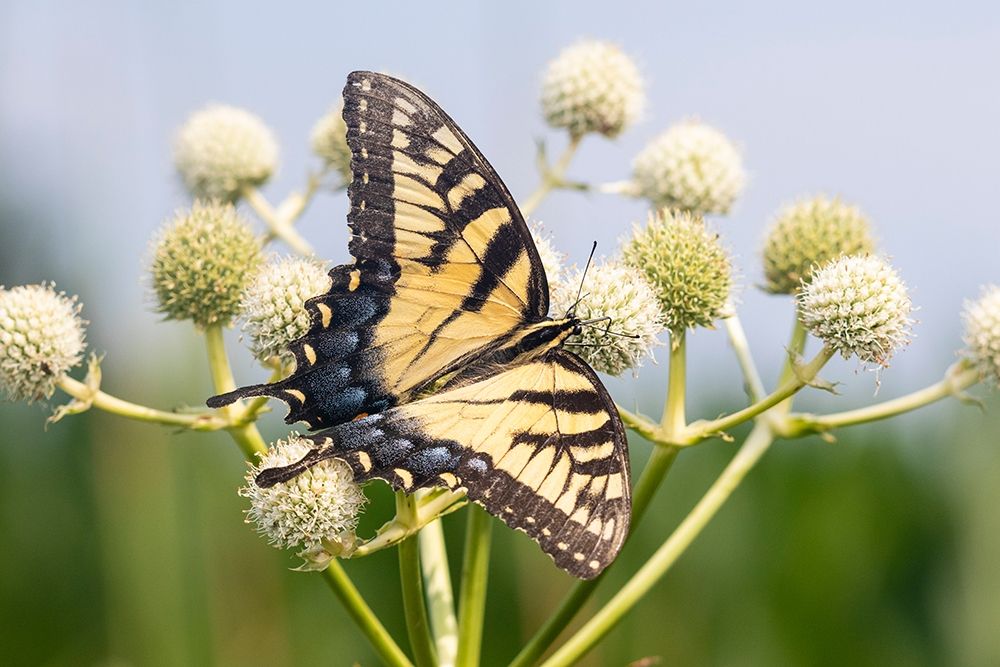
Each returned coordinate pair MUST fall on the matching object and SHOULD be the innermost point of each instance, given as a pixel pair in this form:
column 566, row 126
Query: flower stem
column 245, row 435
column 959, row 377
column 383, row 643
column 199, row 421
column 472, row 597
column 440, row 599
column 395, row 531
column 277, row 225
column 741, row 347
column 653, row 474
column 552, row 177
column 411, row 581
column 595, row 629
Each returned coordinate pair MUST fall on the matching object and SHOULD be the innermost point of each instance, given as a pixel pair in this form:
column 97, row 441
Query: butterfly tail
column 222, row 400
column 271, row 476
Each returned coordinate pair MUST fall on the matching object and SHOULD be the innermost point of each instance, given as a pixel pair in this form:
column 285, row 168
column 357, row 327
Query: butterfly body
column 432, row 361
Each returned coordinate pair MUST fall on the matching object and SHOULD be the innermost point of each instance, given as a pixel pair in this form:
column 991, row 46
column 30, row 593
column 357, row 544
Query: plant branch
column 411, row 581
column 741, row 347
column 440, row 599
column 278, row 226
column 472, row 596
column 552, row 177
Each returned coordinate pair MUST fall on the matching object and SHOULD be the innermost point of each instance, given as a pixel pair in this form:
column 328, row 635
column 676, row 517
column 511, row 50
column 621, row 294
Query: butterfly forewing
column 539, row 445
column 445, row 268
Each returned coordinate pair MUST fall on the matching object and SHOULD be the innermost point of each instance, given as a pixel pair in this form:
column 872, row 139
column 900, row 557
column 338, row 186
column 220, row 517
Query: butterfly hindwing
column 445, row 268
column 539, row 445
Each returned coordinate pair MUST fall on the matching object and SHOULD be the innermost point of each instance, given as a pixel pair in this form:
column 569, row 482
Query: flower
column 858, row 305
column 623, row 295
column 592, row 87
column 41, row 337
column 317, row 510
column 202, row 260
column 687, row 266
column 808, row 233
column 692, row 167
column 329, row 142
column 982, row 333
column 552, row 259
column 273, row 304
column 221, row 149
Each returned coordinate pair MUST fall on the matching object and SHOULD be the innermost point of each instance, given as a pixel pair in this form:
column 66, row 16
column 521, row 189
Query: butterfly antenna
column 607, row 330
column 579, row 292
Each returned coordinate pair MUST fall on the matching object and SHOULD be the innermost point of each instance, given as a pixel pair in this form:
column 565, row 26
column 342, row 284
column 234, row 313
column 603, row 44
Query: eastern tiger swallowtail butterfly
column 447, row 290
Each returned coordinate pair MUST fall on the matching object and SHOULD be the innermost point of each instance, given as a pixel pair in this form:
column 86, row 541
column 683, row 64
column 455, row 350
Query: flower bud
column 622, row 294
column 41, row 338
column 982, row 333
column 329, row 142
column 221, row 149
column 810, row 233
column 273, row 304
column 316, row 510
column 592, row 87
column 858, row 305
column 692, row 167
column 201, row 263
column 687, row 266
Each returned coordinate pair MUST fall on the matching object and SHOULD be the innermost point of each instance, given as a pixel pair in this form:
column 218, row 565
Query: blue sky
column 894, row 106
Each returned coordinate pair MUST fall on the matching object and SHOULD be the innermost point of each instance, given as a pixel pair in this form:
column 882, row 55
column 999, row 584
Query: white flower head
column 692, row 167
column 318, row 508
column 592, row 87
column 859, row 306
column 41, row 337
column 329, row 142
column 618, row 292
column 982, row 333
column 221, row 149
column 552, row 259
column 273, row 304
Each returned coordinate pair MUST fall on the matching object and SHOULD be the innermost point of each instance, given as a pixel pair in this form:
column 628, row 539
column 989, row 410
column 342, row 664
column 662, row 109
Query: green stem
column 245, row 435
column 411, row 581
column 798, row 378
column 595, row 629
column 641, row 424
column 199, row 421
column 552, row 177
column 440, row 599
column 475, row 576
column 395, row 531
column 277, row 225
column 383, row 643
column 741, row 347
column 659, row 463
column 959, row 377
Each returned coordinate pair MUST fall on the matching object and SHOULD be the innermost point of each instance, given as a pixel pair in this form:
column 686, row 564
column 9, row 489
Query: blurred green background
column 123, row 543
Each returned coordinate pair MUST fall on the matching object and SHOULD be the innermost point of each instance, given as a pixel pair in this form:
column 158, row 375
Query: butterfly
column 431, row 360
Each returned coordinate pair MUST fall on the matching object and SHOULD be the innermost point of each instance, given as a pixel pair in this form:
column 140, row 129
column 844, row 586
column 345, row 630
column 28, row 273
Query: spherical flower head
column 686, row 264
column 221, row 149
column 810, row 233
column 329, row 142
column 859, row 306
column 41, row 337
column 692, row 167
column 592, row 87
column 552, row 259
column 201, row 262
column 316, row 510
column 982, row 333
column 622, row 294
column 273, row 304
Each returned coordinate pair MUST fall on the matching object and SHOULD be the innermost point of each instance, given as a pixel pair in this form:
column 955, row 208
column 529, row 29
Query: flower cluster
column 859, row 306
column 692, row 167
column 318, row 508
column 687, row 266
column 982, row 333
column 273, row 304
column 329, row 142
column 201, row 262
column 41, row 337
column 222, row 149
column 592, row 87
column 810, row 233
